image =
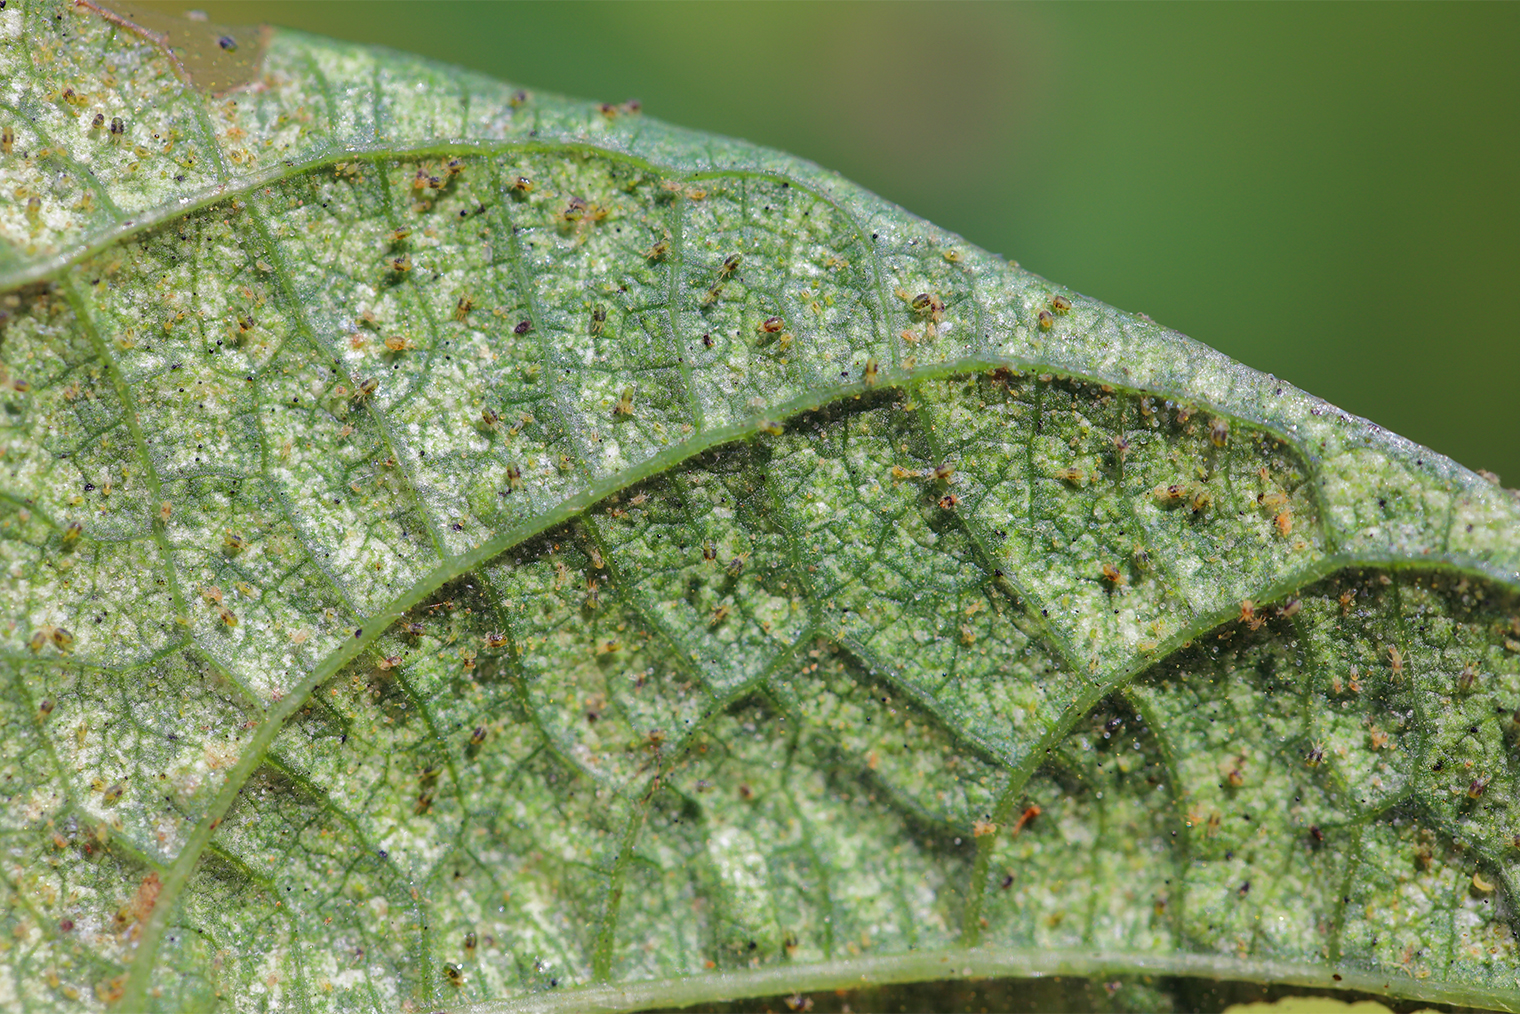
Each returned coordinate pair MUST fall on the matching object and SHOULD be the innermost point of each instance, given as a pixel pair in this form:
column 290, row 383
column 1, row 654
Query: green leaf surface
column 470, row 547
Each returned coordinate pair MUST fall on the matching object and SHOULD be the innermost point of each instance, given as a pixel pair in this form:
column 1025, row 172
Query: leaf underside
column 465, row 546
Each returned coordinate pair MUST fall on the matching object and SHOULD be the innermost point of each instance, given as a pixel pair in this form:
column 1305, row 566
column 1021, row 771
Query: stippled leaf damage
column 467, row 546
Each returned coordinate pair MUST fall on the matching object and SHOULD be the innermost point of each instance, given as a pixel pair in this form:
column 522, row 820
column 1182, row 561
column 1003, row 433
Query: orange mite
column 1027, row 817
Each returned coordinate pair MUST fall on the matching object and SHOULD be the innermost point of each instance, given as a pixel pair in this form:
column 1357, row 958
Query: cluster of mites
column 117, row 131
column 929, row 308
column 62, row 639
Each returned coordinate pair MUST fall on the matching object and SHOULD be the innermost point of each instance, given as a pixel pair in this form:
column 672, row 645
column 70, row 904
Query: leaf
column 467, row 546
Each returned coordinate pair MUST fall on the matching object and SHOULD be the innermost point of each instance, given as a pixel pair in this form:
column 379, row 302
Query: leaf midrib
column 971, row 965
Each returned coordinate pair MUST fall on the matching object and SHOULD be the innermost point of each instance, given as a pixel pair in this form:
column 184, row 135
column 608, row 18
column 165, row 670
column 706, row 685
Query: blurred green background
column 1327, row 192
